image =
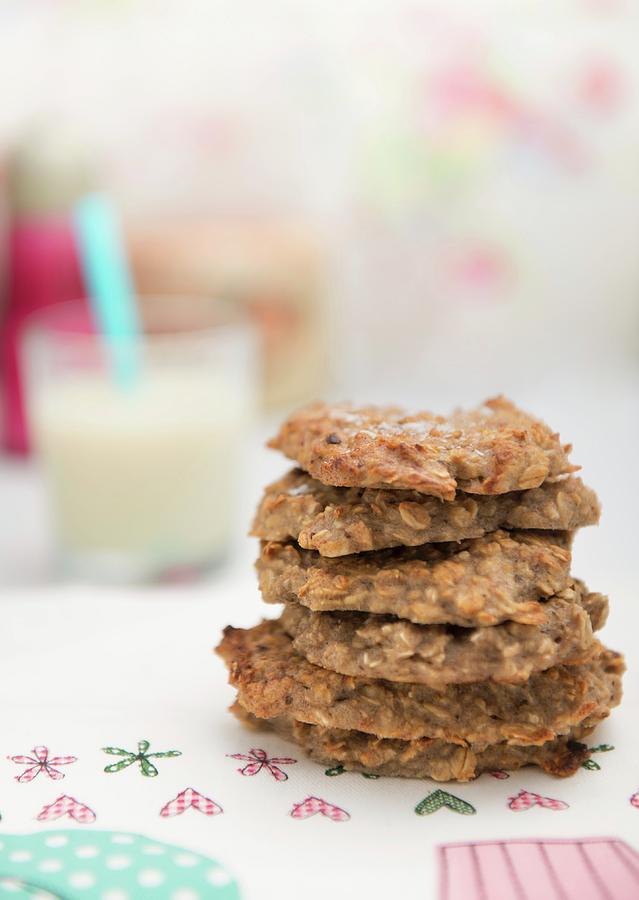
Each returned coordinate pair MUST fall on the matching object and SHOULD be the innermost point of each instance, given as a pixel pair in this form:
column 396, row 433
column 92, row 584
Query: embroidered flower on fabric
column 257, row 760
column 41, row 762
column 142, row 757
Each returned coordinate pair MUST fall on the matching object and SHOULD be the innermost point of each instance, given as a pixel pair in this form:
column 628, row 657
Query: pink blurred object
column 43, row 269
column 600, row 86
column 595, row 868
column 48, row 169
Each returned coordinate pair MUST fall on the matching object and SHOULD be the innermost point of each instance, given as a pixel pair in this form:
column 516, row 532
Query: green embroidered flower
column 591, row 764
column 142, row 757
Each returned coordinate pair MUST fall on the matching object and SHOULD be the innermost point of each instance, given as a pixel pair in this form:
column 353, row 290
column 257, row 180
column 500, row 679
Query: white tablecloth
column 83, row 668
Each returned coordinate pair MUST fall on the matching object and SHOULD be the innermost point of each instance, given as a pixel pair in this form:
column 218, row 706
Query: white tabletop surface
column 82, row 666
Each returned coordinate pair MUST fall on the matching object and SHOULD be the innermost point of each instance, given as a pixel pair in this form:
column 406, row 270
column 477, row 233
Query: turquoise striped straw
column 109, row 284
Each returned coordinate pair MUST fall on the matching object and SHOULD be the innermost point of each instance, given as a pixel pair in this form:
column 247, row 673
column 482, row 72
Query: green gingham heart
column 432, row 802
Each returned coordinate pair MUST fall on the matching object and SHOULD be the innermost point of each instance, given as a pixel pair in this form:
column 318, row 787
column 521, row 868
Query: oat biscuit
column 483, row 581
column 424, row 758
column 431, row 627
column 340, row 521
column 489, row 450
column 437, row 655
column 273, row 680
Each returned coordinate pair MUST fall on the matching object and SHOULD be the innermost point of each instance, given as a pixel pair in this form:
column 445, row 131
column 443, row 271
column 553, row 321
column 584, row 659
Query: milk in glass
column 141, row 480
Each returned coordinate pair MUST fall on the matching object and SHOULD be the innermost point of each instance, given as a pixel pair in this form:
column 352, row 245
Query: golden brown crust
column 490, row 450
column 483, row 581
column 340, row 521
column 374, row 646
column 424, row 758
column 273, row 680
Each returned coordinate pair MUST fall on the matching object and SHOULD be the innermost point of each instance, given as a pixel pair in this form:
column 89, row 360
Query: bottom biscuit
column 424, row 758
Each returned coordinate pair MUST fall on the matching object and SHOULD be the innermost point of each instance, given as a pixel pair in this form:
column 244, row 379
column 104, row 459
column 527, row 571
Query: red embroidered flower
column 258, row 760
column 40, row 762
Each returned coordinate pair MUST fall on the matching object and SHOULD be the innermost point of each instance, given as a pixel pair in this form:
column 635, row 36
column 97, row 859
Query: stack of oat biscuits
column 431, row 624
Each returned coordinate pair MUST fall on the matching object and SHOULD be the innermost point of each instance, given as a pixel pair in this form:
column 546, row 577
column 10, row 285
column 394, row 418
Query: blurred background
column 423, row 202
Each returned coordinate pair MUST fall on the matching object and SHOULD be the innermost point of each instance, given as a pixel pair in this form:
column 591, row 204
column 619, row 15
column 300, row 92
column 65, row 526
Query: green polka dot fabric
column 106, row 865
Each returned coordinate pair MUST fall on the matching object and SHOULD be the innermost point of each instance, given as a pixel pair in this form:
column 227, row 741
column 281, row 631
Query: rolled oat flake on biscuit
column 489, row 450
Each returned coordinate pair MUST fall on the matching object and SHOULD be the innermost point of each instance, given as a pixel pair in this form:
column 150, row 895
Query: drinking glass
column 142, row 475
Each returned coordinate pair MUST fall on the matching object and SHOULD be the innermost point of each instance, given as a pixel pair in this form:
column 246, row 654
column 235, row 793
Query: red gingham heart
column 67, row 806
column 313, row 805
column 190, row 798
column 526, row 799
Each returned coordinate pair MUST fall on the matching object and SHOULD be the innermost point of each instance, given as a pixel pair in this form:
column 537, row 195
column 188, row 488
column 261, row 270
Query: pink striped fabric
column 588, row 869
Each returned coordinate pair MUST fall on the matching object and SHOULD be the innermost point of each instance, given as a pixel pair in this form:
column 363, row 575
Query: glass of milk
column 142, row 477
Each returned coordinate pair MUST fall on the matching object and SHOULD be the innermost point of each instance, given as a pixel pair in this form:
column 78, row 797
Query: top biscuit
column 490, row 450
